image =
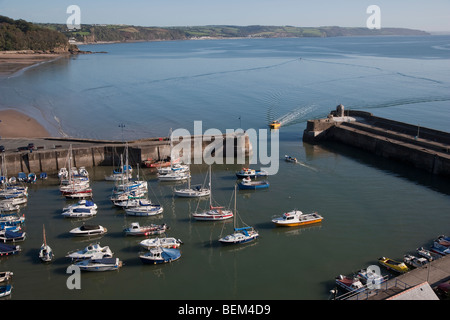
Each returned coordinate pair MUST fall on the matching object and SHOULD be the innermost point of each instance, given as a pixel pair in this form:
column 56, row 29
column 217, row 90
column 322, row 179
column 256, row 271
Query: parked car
column 2, row 148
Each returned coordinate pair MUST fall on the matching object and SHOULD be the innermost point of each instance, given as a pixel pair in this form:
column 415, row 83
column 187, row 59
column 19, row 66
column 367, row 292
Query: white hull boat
column 137, row 230
column 85, row 204
column 160, row 242
column 144, row 210
column 88, row 230
column 94, row 250
column 160, row 255
column 98, row 265
column 79, row 213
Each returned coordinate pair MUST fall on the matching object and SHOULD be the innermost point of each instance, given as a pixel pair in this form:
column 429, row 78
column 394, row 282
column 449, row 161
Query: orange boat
column 297, row 218
column 275, row 124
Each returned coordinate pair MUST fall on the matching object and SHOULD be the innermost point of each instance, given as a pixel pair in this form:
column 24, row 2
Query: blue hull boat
column 6, row 249
column 253, row 185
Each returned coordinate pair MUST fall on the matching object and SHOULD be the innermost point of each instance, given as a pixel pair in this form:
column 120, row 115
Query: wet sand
column 14, row 61
column 15, row 124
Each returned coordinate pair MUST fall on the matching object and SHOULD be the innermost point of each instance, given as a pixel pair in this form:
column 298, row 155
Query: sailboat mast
column 43, row 232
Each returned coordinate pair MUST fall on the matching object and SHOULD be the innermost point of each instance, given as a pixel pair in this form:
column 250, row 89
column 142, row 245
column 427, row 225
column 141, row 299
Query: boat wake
column 295, row 115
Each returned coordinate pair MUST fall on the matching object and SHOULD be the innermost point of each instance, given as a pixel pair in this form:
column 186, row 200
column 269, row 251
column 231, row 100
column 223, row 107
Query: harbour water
column 371, row 207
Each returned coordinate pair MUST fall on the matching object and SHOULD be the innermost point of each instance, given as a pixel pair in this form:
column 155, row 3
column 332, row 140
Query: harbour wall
column 423, row 148
column 53, row 153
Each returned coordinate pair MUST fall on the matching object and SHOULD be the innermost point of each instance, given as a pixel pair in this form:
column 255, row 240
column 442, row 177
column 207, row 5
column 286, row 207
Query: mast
column 43, row 231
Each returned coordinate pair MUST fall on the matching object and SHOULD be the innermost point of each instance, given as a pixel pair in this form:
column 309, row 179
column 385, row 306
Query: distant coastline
column 91, row 34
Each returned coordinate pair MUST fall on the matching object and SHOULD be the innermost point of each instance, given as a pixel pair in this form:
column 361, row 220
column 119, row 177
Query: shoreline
column 16, row 124
column 12, row 62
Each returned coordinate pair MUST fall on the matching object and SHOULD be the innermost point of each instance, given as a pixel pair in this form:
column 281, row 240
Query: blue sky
column 432, row 15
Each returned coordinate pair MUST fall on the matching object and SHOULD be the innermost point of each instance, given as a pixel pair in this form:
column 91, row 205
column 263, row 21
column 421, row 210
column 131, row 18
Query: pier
column 423, row 148
column 50, row 154
column 417, row 284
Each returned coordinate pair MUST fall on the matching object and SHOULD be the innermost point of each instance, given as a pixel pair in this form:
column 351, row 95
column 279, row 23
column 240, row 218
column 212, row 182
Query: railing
column 369, row 290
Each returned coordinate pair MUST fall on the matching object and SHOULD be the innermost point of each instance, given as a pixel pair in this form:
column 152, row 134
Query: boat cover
column 81, row 210
column 89, row 227
column 7, row 248
column 104, row 260
column 11, row 234
column 89, row 203
column 170, row 254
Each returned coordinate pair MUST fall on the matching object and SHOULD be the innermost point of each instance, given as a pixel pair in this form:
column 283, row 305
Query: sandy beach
column 15, row 124
column 14, row 61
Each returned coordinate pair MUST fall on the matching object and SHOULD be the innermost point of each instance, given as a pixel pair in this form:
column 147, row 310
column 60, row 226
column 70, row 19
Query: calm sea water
column 372, row 207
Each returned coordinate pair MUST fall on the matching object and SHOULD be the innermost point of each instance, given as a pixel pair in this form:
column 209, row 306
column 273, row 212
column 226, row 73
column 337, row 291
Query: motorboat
column 5, row 290
column 290, row 159
column 275, row 124
column 160, row 255
column 413, row 261
column 45, row 253
column 421, row 251
column 144, row 210
column 352, row 284
column 249, row 184
column 173, row 168
column 251, row 173
column 443, row 240
column 87, row 230
column 11, row 220
column 371, row 278
column 239, row 235
column 440, row 249
column 6, row 276
column 137, row 230
column 297, row 218
column 91, row 251
column 79, row 213
column 84, row 204
column 11, row 236
column 167, row 242
column 8, row 206
column 7, row 249
column 99, row 264
column 391, row 264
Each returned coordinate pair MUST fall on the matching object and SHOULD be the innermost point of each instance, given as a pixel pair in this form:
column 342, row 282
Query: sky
column 432, row 15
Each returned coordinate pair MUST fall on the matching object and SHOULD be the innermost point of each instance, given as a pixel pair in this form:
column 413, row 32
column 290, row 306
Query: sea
column 372, row 207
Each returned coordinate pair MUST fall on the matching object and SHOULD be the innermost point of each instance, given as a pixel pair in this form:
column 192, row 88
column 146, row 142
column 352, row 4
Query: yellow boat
column 393, row 265
column 297, row 218
column 275, row 125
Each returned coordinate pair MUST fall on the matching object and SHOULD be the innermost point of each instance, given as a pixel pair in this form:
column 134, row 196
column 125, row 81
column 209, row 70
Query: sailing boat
column 214, row 213
column 76, row 186
column 193, row 192
column 240, row 235
column 46, row 253
column 174, row 174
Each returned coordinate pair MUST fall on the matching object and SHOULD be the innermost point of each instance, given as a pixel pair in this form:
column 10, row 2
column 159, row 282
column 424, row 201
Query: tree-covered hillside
column 23, row 35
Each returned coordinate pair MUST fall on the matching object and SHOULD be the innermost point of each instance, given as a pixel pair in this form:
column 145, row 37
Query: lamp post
column 122, row 126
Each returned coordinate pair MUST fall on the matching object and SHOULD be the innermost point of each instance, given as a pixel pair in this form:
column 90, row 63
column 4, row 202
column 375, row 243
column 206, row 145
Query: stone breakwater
column 50, row 154
column 423, row 148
